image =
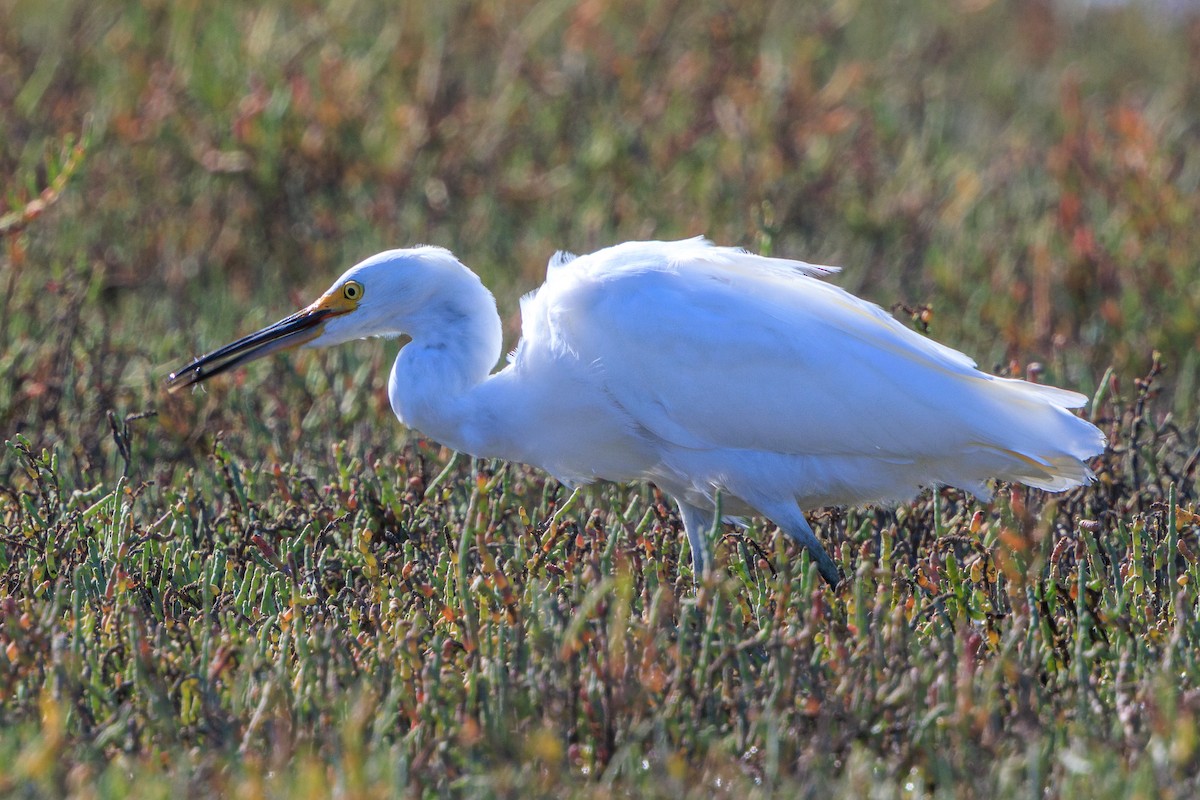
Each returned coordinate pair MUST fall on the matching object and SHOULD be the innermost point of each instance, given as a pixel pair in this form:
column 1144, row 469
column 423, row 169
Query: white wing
column 712, row 348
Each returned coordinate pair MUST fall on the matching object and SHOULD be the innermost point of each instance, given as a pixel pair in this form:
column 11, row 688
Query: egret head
column 385, row 295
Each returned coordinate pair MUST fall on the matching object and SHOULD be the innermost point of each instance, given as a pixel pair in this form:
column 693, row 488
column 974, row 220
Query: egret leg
column 791, row 521
column 697, row 522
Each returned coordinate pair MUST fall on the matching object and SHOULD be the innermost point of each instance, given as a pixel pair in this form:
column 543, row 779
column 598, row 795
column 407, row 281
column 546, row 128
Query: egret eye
column 353, row 290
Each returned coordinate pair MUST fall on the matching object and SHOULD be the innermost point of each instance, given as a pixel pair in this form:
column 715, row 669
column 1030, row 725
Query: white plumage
column 707, row 370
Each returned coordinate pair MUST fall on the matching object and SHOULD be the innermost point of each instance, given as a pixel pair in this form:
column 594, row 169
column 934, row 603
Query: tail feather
column 1040, row 392
column 1056, row 474
column 1036, row 440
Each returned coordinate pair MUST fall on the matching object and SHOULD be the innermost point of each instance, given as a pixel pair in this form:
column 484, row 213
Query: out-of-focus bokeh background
column 1027, row 169
column 1020, row 177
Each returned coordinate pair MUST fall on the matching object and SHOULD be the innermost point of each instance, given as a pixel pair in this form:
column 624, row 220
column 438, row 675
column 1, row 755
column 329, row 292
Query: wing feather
column 715, row 348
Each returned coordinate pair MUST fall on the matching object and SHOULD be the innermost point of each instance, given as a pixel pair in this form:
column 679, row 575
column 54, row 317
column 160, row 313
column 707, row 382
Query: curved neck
column 456, row 340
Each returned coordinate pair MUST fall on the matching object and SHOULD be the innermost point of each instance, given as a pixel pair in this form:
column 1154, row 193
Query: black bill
column 301, row 327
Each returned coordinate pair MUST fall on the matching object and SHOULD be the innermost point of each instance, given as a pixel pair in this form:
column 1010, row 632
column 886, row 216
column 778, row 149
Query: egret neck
column 456, row 340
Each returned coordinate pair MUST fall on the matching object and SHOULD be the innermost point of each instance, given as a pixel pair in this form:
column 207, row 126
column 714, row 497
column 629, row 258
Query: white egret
column 711, row 371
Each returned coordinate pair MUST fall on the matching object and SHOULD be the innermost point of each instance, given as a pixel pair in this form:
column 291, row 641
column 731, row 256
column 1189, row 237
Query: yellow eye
column 352, row 290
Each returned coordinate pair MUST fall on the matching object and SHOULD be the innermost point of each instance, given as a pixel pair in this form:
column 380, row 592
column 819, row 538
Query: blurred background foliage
column 1027, row 169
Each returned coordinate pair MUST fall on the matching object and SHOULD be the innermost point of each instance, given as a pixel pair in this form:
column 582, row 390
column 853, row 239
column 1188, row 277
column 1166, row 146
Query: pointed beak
column 300, row 328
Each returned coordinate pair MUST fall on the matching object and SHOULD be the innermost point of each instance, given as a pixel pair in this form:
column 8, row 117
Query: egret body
column 707, row 370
